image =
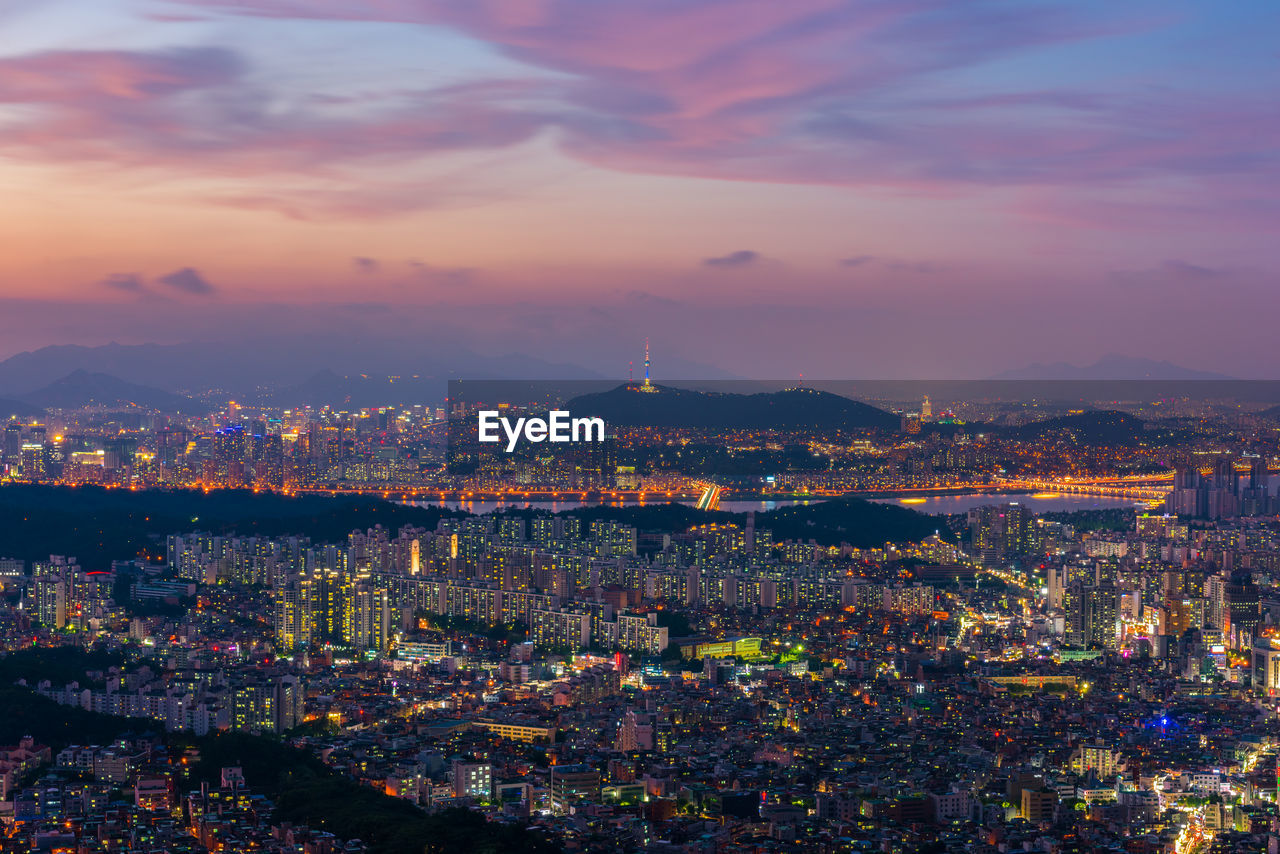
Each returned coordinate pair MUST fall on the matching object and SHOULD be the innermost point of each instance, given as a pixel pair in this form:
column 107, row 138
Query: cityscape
column 674, row 427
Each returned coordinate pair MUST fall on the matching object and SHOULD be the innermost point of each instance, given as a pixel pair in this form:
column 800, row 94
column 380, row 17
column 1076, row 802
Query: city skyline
column 639, row 427
column 821, row 188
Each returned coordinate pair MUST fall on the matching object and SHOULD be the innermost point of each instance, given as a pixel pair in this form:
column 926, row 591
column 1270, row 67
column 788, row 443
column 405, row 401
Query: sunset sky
column 767, row 186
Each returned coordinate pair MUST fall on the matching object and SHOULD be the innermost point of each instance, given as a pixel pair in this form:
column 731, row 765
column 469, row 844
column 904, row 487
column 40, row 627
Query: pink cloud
column 816, row 90
column 805, row 91
column 194, row 111
column 71, row 77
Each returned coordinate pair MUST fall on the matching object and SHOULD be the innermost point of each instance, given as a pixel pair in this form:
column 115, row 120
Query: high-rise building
column 1241, row 611
column 642, row 634
column 13, row 444
column 1101, row 620
column 560, row 629
column 472, row 779
column 1091, row 615
column 50, row 591
column 373, row 624
column 268, row 704
column 1266, row 665
column 1003, row 529
column 571, row 784
column 293, row 616
column 1220, row 495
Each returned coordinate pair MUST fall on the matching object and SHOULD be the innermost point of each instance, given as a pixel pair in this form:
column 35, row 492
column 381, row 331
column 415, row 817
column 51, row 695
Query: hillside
column 1097, row 427
column 20, row 409
column 864, row 524
column 82, row 388
column 99, row 525
column 794, row 408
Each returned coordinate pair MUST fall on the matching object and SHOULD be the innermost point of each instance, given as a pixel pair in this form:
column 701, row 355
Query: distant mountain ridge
column 296, row 370
column 244, row 368
column 326, row 388
column 18, row 408
column 80, row 389
column 1110, row 367
column 674, row 407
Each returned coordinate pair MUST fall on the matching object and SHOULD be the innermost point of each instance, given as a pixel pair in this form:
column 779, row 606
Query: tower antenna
column 646, row 362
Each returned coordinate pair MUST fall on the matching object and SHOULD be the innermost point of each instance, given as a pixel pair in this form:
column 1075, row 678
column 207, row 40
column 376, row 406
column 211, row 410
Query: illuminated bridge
column 1138, row 490
column 710, row 497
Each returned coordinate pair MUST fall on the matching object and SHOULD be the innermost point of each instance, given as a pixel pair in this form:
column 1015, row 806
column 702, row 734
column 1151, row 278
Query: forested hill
column 98, row 525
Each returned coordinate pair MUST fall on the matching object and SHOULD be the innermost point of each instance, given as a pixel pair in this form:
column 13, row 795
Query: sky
column 830, row 187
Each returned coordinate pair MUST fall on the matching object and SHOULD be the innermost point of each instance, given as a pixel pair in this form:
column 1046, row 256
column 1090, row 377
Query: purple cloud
column 741, row 258
column 1177, row 273
column 194, row 112
column 822, row 92
column 113, row 78
column 127, row 282
column 1192, row 271
column 188, row 281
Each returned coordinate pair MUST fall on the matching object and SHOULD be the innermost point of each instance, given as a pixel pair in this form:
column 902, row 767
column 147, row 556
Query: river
column 1038, row 502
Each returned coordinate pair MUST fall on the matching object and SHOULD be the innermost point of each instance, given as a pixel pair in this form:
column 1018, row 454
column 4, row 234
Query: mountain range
column 358, row 371
column 240, row 368
column 1110, row 367
column 80, row 389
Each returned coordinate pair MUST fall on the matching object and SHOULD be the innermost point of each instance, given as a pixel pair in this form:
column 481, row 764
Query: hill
column 793, row 408
column 864, row 524
column 99, row 525
column 1104, row 426
column 17, row 408
column 82, row 388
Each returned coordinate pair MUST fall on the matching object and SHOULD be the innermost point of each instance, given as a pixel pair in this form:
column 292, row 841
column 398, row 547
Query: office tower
column 13, row 444
column 1240, row 611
